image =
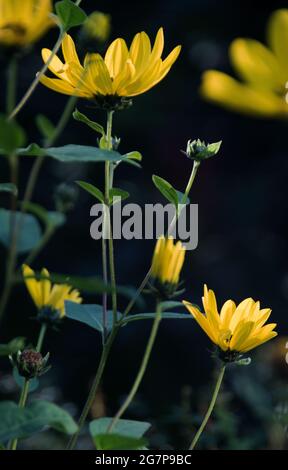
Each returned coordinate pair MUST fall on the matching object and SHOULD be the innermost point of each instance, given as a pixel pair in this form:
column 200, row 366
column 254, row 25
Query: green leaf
column 91, row 189
column 12, row 136
column 149, row 316
column 83, row 153
column 33, row 150
column 166, row 189
column 123, row 427
column 45, row 126
column 170, row 304
column 29, row 235
column 93, row 125
column 20, row 381
column 69, row 14
column 134, row 155
column 8, row 188
column 12, row 347
column 118, row 193
column 19, row 423
column 94, row 285
column 48, row 218
column 91, row 315
column 118, row 442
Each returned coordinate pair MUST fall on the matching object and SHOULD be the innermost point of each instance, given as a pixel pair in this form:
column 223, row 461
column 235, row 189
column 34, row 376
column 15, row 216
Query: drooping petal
column 202, row 321
column 278, row 36
column 257, row 65
column 224, row 90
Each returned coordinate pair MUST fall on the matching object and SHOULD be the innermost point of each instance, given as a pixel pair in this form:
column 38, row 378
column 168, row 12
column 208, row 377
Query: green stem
column 141, row 371
column 94, row 388
column 108, row 181
column 183, row 201
column 41, row 337
column 210, row 409
column 22, row 403
column 40, row 74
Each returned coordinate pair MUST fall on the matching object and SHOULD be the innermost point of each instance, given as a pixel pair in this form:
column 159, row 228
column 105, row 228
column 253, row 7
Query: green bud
column 198, row 150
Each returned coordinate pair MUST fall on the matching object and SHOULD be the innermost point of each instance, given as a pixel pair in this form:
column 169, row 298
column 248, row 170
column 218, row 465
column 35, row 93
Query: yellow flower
column 122, row 72
column 263, row 71
column 23, row 22
column 235, row 329
column 167, row 261
column 47, row 297
column 98, row 26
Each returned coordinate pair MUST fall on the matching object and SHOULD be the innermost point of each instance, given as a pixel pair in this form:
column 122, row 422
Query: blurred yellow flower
column 237, row 329
column 122, row 72
column 167, row 262
column 22, row 22
column 263, row 71
column 46, row 296
column 98, row 26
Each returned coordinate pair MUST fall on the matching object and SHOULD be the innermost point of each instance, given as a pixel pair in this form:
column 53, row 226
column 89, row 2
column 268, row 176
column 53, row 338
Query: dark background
column 242, row 197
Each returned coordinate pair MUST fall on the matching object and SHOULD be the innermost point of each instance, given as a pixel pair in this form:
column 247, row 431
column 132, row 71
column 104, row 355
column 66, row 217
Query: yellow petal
column 140, row 51
column 116, row 57
column 278, row 36
column 256, row 64
column 61, row 86
column 224, row 90
column 241, row 333
column 98, row 74
column 32, row 285
column 45, row 286
column 202, row 322
column 226, row 314
column 56, row 66
column 69, row 50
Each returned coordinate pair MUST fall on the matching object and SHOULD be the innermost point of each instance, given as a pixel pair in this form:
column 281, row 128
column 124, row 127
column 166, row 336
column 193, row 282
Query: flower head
column 263, row 71
column 122, row 73
column 237, row 329
column 49, row 299
column 23, row 22
column 167, row 262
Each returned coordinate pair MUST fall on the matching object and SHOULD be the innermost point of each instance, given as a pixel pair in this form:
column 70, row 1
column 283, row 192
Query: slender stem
column 41, row 337
column 105, row 280
column 94, row 388
column 141, row 370
column 36, row 80
column 47, row 235
column 210, row 409
column 40, row 74
column 108, row 180
column 22, row 403
column 183, row 201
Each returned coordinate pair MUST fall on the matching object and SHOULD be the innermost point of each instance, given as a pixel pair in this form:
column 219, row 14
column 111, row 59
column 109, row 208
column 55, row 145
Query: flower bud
column 198, row 150
column 98, row 26
column 31, row 363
